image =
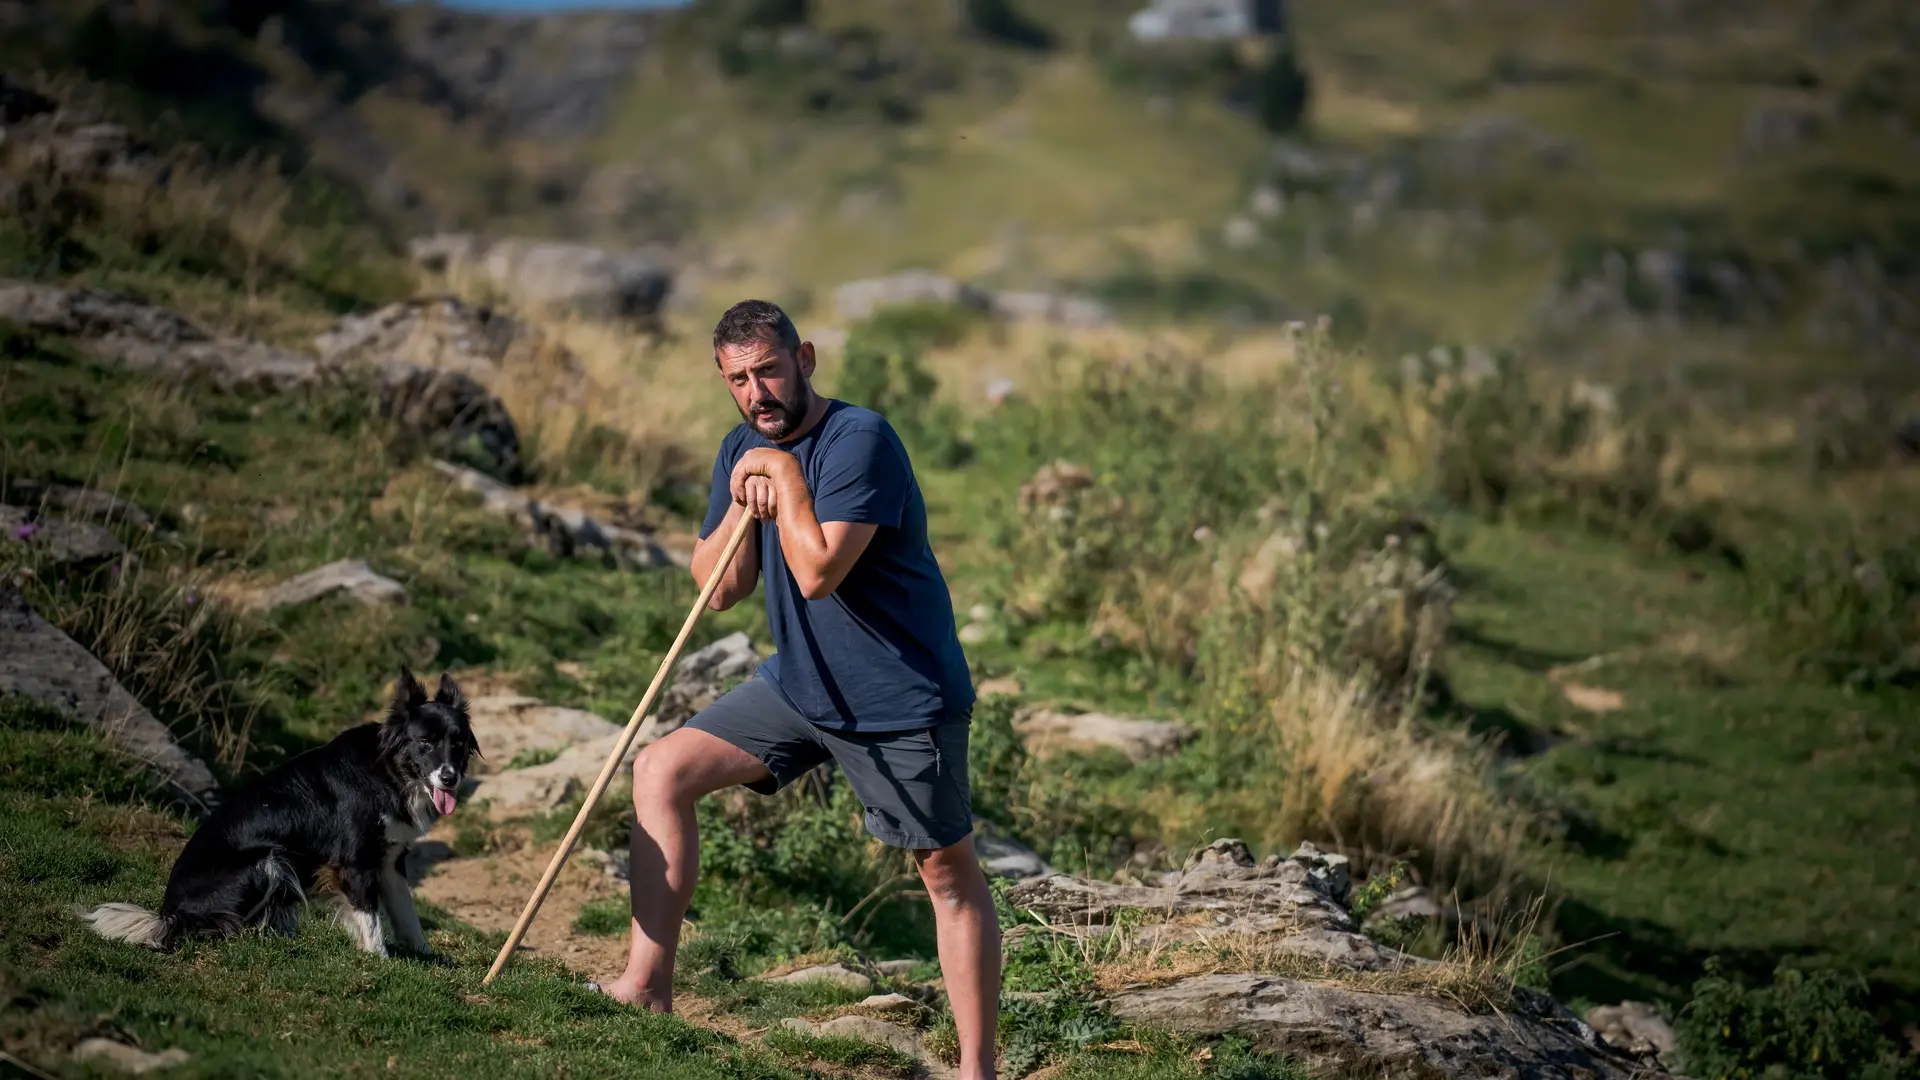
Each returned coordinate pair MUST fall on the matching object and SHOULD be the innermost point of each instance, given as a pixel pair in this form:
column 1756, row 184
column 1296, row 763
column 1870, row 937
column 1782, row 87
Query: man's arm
column 818, row 554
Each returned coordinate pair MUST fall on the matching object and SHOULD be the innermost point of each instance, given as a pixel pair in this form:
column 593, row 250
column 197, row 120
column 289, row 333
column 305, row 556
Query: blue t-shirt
column 880, row 652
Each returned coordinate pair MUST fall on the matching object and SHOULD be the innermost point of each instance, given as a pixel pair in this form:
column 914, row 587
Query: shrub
column 882, row 370
column 1803, row 1024
column 1844, row 602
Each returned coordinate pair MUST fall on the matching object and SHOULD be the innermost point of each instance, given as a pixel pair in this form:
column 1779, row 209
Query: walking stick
column 620, row 751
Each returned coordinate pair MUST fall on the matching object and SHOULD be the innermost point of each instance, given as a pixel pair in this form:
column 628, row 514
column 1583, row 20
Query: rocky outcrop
column 58, row 541
column 1636, row 1027
column 68, row 146
column 92, row 505
column 1330, row 1031
column 870, row 1029
column 832, row 974
column 1046, row 730
column 144, row 337
column 554, row 276
column 41, row 663
column 444, row 409
column 584, row 741
column 856, row 300
column 566, row 530
column 448, row 334
column 351, row 577
column 1308, row 985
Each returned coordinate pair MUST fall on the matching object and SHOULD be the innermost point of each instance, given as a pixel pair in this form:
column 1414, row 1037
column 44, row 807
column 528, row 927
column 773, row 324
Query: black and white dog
column 346, row 810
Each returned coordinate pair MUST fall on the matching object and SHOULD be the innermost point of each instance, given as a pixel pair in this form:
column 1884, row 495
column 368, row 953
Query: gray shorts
column 913, row 783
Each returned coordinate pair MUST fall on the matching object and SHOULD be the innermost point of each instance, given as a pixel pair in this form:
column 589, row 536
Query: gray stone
column 95, row 506
column 143, row 337
column 42, row 663
column 566, row 530
column 896, row 969
column 837, row 974
column 1046, row 730
column 508, row 725
column 868, row 1029
column 589, row 740
column 56, row 540
column 860, row 299
column 1634, row 1026
column 1044, row 307
column 350, row 576
column 1206, row 20
column 126, row 1058
column 1005, row 857
column 1329, row 1030
column 889, row 1003
column 446, row 333
column 1240, row 233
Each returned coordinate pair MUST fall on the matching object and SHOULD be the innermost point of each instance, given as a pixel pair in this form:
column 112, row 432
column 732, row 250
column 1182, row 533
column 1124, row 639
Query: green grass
column 1724, row 809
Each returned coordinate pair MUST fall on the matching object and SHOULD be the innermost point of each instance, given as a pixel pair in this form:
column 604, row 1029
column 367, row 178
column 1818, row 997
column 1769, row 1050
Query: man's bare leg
column 668, row 777
column 969, row 939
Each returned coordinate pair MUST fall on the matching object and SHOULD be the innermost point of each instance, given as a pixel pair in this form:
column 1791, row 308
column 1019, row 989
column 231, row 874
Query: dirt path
column 489, row 892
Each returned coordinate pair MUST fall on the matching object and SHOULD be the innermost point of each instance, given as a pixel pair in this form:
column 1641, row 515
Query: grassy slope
column 1724, row 809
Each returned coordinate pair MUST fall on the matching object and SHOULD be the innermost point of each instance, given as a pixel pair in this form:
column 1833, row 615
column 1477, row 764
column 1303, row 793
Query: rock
column 896, row 969
column 143, row 337
column 1003, row 686
column 1077, row 312
column 703, row 675
column 43, row 664
column 859, row 299
column 1328, row 1030
column 1052, row 483
column 554, row 276
column 567, row 531
column 699, row 678
column 889, row 1003
column 837, row 974
column 1296, row 902
column 350, row 576
column 128, row 1058
column 974, row 633
column 99, row 506
column 1209, row 20
column 1634, row 1026
column 56, row 540
column 445, row 409
column 445, row 333
column 508, row 725
column 1005, row 857
column 1332, row 872
column 1045, row 730
column 449, row 412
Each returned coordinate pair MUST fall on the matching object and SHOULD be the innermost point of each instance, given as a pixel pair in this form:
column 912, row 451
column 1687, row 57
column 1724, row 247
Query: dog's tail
column 130, row 923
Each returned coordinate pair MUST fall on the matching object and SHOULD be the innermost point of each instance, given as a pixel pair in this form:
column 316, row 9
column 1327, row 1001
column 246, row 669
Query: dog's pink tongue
column 443, row 801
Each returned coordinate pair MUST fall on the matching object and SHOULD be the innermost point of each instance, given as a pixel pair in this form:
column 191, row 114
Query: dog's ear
column 449, row 694
column 408, row 694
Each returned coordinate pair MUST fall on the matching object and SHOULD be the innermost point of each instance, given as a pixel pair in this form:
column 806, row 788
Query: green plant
column 840, row 1050
column 1845, row 604
column 1804, row 1024
column 881, row 369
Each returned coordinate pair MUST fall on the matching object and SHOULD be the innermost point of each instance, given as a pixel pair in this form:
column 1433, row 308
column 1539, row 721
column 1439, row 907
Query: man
column 867, row 672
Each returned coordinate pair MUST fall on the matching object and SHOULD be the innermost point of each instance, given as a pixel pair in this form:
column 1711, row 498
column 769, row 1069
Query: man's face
column 769, row 384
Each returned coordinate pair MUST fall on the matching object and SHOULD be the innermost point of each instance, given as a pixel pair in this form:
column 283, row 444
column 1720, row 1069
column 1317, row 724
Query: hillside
column 1536, row 638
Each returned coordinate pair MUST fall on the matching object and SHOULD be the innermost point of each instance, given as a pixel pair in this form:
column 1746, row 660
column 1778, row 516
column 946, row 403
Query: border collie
column 344, row 812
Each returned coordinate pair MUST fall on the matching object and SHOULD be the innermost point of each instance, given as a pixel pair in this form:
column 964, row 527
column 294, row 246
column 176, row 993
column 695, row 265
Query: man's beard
column 782, row 417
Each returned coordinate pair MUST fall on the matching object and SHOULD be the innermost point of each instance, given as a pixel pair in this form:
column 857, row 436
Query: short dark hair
column 755, row 321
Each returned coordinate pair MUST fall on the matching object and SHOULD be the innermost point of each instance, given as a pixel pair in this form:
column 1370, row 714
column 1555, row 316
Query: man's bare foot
column 630, row 994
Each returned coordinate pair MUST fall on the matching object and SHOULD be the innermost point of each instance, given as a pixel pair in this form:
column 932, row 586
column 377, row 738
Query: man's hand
column 761, row 498
column 773, row 467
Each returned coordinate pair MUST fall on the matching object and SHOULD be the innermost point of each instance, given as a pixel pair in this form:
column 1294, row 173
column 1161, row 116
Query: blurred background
column 1479, row 439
